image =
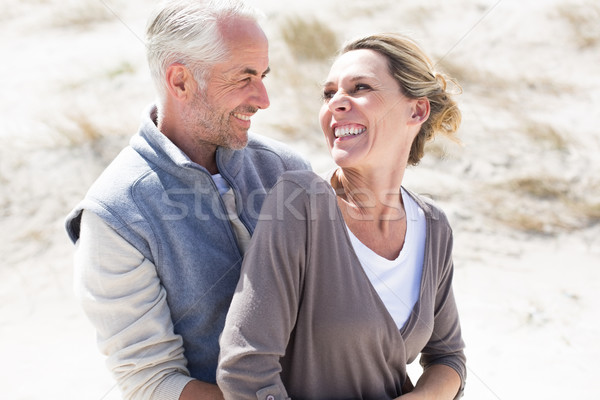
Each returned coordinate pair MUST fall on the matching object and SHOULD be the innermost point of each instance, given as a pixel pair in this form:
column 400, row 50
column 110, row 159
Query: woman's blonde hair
column 416, row 75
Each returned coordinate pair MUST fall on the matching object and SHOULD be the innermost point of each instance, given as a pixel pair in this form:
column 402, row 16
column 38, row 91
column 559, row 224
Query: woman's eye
column 361, row 86
column 328, row 94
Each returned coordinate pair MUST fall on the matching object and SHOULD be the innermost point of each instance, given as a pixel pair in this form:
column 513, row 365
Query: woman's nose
column 339, row 102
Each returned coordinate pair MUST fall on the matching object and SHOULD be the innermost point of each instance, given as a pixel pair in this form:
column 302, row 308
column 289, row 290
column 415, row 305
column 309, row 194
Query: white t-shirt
column 398, row 281
column 242, row 234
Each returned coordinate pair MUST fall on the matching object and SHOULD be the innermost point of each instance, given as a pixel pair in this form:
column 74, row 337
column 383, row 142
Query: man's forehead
column 246, row 70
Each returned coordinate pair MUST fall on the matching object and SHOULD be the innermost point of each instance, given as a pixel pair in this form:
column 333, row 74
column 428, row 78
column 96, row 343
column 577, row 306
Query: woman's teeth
column 347, row 131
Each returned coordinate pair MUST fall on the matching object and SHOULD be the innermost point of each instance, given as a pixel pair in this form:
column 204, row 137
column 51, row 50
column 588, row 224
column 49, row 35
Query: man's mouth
column 243, row 117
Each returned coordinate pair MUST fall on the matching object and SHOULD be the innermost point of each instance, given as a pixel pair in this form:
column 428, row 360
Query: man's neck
column 201, row 153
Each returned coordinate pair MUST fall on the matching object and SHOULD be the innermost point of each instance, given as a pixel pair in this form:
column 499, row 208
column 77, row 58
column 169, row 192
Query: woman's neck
column 372, row 209
column 371, row 195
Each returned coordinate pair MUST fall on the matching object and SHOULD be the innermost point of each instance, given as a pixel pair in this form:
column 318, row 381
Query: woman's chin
column 341, row 161
column 344, row 158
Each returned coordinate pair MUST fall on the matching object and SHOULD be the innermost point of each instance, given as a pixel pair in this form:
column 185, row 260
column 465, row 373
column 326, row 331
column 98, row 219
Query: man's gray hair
column 187, row 32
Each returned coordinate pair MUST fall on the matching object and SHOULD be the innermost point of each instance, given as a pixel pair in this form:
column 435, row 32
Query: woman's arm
column 438, row 382
column 443, row 357
column 265, row 304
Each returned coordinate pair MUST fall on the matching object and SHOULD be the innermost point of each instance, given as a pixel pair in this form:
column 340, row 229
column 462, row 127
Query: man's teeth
column 242, row 117
column 347, row 131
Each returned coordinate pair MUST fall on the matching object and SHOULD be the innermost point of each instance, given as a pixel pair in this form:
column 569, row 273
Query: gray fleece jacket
column 169, row 209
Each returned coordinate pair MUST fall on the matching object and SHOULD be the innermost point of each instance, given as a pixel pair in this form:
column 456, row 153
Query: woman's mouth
column 348, row 130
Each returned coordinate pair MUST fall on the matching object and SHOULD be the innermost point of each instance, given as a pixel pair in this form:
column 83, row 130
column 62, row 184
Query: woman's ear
column 180, row 82
column 421, row 110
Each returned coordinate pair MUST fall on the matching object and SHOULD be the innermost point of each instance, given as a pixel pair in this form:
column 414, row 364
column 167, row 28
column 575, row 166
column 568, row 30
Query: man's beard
column 214, row 126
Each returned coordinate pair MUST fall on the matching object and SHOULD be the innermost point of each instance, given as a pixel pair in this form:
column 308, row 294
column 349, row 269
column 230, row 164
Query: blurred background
column 522, row 191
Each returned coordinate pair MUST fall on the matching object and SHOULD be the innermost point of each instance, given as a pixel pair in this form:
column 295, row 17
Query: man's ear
column 421, row 110
column 180, row 82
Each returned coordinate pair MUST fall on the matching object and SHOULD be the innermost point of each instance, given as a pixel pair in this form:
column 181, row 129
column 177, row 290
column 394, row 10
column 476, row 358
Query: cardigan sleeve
column 446, row 345
column 121, row 295
column 265, row 304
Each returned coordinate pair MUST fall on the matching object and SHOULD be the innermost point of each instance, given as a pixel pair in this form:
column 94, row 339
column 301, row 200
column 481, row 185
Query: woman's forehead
column 359, row 63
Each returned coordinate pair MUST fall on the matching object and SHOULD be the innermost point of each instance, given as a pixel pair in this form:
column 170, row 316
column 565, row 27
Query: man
column 161, row 233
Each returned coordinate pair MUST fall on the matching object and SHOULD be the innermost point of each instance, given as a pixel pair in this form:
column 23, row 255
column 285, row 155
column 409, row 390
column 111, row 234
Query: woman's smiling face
column 364, row 116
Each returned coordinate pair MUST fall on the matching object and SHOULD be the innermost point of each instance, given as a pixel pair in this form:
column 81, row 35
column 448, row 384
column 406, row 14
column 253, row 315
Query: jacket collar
column 155, row 147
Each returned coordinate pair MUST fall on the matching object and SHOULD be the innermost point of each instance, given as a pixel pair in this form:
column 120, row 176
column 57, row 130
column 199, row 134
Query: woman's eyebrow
column 351, row 79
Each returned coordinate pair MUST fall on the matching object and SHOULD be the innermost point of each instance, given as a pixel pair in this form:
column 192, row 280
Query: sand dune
column 522, row 192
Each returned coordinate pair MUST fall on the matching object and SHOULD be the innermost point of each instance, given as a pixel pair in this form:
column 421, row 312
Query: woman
column 349, row 279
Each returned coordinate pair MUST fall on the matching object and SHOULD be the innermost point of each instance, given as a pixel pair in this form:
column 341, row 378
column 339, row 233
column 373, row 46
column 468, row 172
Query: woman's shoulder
column 432, row 210
column 300, row 196
column 305, row 179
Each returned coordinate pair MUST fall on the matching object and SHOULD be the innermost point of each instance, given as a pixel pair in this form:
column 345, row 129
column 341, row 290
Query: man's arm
column 121, row 294
column 196, row 390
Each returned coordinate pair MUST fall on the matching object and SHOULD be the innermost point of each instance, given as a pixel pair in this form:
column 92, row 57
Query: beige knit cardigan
column 305, row 321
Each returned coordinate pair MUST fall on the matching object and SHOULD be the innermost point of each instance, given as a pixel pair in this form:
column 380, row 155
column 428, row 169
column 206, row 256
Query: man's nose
column 261, row 97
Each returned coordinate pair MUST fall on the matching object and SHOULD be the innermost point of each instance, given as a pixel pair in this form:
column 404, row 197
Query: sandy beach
column 522, row 191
